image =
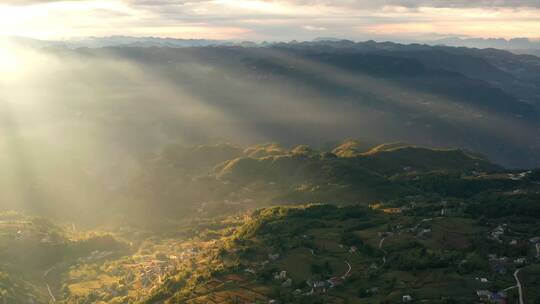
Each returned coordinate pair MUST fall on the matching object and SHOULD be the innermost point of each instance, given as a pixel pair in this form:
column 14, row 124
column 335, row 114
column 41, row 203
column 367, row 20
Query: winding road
column 45, row 275
column 53, row 299
column 520, row 288
column 348, row 271
column 385, row 253
column 381, row 242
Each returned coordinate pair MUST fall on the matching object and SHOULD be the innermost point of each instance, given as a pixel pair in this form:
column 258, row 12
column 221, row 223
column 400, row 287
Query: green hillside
column 34, row 253
column 347, row 224
column 243, row 178
column 326, row 254
column 393, row 158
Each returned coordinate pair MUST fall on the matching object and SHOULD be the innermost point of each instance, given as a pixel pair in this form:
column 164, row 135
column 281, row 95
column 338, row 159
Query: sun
column 11, row 63
column 14, row 20
column 56, row 20
column 8, row 61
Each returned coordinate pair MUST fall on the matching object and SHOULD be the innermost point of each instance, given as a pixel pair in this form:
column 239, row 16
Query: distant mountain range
column 516, row 45
column 523, row 45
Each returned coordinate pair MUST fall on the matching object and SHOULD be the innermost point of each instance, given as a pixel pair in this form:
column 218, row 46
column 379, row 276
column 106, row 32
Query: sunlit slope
column 306, row 178
column 16, row 290
column 393, row 157
column 293, row 165
column 35, row 251
column 352, row 148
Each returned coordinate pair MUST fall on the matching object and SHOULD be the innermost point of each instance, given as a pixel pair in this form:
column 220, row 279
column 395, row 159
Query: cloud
column 30, row 2
column 421, row 3
column 314, row 28
column 272, row 19
column 334, row 3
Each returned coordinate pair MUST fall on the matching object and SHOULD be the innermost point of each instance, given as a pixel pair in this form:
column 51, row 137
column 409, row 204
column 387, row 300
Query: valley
column 269, row 152
column 459, row 230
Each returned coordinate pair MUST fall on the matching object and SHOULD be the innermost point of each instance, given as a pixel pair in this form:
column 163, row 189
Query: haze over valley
column 269, row 151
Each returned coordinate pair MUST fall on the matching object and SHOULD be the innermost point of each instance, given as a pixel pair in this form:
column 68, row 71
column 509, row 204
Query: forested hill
column 216, row 179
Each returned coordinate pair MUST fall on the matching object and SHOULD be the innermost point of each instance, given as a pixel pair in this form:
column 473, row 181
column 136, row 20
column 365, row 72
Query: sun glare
column 9, row 63
column 14, row 61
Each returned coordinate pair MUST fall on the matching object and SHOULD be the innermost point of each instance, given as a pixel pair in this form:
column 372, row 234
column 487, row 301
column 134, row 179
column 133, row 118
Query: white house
column 280, row 275
column 535, row 240
column 273, row 257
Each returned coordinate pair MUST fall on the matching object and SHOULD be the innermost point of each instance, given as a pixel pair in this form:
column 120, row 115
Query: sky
column 271, row 19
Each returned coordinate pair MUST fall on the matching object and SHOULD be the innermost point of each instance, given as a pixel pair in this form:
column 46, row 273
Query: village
column 134, row 276
column 390, row 254
column 110, row 279
column 494, row 284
